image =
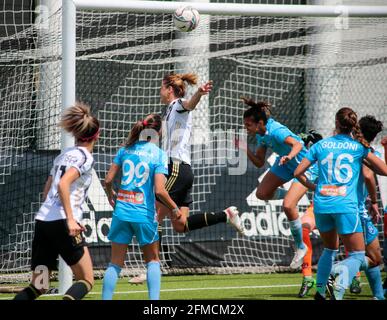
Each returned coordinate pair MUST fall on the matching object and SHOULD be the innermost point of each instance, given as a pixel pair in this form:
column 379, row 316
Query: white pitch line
column 191, row 289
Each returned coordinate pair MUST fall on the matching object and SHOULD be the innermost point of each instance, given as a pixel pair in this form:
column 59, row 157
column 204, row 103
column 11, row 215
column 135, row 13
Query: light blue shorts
column 370, row 231
column 344, row 223
column 123, row 232
column 286, row 171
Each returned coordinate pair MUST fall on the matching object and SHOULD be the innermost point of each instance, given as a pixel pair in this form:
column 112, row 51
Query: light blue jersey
column 139, row 164
column 274, row 138
column 339, row 161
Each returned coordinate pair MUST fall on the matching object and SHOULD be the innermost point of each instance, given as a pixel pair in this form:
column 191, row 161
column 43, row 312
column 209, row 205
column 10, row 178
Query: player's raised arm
column 204, row 89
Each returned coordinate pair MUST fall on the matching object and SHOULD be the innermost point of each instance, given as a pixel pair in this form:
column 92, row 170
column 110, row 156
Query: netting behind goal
column 306, row 67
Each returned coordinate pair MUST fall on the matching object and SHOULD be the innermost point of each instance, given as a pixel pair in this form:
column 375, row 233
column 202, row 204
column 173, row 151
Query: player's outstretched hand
column 384, row 141
column 205, row 88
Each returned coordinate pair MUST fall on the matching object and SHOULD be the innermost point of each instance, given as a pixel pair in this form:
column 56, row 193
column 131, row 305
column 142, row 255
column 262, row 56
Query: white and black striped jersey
column 81, row 159
column 177, row 129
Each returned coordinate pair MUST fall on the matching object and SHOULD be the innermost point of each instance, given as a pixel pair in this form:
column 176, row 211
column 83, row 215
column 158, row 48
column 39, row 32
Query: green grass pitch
column 274, row 286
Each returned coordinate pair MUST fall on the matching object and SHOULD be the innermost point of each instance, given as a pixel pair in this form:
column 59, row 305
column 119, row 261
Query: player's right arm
column 47, row 187
column 258, row 158
column 64, row 184
column 114, row 169
column 164, row 197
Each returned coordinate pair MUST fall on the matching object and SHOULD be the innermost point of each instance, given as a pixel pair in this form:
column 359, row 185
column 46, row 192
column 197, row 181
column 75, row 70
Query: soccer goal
column 307, row 60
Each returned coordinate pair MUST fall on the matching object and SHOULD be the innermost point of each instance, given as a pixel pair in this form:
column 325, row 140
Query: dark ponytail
column 260, row 110
column 152, row 121
column 370, row 127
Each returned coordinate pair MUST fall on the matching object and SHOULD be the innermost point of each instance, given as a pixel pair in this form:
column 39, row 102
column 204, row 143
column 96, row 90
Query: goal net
column 307, row 67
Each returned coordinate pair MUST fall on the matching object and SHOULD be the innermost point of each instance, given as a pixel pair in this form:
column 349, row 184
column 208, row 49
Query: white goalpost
column 307, row 60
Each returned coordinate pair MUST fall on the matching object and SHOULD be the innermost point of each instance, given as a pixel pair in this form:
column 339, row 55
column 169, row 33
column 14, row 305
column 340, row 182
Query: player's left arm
column 296, row 148
column 370, row 182
column 203, row 90
column 375, row 164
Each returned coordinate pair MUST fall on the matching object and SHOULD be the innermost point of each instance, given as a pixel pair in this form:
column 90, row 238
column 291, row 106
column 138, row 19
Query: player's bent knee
column 179, row 226
column 263, row 195
column 375, row 260
column 180, row 229
column 287, row 206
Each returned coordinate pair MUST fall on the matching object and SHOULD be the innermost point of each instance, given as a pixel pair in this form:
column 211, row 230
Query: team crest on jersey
column 371, row 229
column 70, row 159
column 130, row 196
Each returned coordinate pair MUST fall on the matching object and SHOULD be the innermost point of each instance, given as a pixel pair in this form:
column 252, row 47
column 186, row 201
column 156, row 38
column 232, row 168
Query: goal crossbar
column 236, row 8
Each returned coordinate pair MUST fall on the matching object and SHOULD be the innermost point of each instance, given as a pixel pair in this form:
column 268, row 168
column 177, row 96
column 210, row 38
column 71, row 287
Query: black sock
column 200, row 220
column 78, row 290
column 28, row 293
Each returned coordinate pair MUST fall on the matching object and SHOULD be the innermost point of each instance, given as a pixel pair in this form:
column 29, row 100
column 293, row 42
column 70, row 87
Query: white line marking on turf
column 183, row 289
column 190, row 289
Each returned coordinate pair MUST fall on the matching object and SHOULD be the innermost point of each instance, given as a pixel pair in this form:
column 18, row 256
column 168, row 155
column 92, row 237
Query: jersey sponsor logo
column 333, row 191
column 71, row 159
column 130, row 196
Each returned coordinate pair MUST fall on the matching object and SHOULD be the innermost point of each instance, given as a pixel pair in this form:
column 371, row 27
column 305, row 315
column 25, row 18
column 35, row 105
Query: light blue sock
column 153, row 280
column 375, row 280
column 109, row 281
column 335, row 270
column 364, row 265
column 346, row 270
column 324, row 268
column 296, row 230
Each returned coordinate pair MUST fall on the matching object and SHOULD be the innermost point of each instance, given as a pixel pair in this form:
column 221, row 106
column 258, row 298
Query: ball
column 186, row 18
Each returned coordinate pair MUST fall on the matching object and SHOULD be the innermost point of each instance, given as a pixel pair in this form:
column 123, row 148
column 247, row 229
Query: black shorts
column 51, row 239
column 179, row 183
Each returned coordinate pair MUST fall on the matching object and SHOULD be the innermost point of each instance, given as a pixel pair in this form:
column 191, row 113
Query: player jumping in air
column 290, row 148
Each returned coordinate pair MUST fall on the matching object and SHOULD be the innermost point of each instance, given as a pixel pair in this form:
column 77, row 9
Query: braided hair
column 346, row 122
